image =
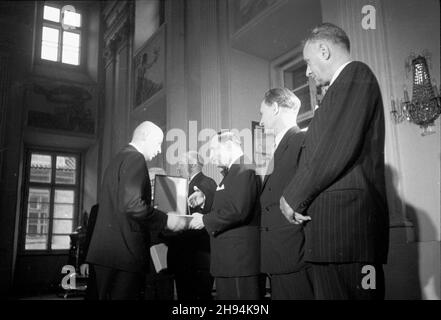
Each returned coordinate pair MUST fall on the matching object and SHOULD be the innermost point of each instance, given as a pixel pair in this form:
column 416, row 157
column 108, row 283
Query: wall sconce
column 425, row 106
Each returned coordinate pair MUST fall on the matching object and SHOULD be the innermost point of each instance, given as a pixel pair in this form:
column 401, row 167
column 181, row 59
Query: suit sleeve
column 339, row 140
column 208, row 187
column 237, row 204
column 133, row 185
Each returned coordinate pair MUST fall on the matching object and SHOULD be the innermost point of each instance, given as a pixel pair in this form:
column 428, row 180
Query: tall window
column 61, row 33
column 51, row 206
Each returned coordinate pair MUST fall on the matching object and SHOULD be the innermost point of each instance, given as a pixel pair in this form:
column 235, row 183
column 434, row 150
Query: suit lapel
column 281, row 148
column 194, row 182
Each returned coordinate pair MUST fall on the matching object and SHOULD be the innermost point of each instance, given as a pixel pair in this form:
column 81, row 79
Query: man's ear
column 325, row 51
column 276, row 108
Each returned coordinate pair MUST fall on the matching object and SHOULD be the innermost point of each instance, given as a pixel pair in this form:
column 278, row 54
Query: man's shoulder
column 128, row 156
column 203, row 179
column 359, row 68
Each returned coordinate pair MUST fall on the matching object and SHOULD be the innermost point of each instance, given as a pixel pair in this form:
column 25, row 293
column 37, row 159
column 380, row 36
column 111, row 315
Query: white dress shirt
column 337, row 73
column 279, row 137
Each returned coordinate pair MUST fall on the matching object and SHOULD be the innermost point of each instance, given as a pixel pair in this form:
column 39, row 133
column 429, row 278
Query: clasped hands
column 290, row 215
column 176, row 222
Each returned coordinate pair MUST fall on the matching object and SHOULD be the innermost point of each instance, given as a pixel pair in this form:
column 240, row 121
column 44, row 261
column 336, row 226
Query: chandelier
column 425, row 106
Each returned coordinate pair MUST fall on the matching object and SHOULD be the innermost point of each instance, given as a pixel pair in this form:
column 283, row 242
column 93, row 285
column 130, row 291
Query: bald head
column 147, row 137
column 146, row 130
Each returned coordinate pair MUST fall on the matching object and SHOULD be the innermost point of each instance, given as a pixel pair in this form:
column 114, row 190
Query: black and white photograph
column 218, row 158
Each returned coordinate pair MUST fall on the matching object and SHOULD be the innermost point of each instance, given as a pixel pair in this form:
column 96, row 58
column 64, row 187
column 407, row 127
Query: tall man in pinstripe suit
column 339, row 184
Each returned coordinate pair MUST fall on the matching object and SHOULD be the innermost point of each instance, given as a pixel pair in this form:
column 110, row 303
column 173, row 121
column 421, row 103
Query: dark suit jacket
column 121, row 237
column 233, row 223
column 282, row 243
column 340, row 180
column 190, row 249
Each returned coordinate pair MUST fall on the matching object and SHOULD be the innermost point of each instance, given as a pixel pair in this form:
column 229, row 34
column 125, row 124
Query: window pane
column 49, row 44
column 295, row 77
column 64, row 196
column 64, row 204
column 64, row 211
column 72, row 19
column 41, row 167
column 51, row 13
column 38, row 203
column 71, row 48
column 60, row 242
column 36, row 242
column 62, row 226
column 66, row 170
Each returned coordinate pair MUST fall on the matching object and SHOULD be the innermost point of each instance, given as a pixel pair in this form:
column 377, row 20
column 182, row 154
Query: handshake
column 177, row 222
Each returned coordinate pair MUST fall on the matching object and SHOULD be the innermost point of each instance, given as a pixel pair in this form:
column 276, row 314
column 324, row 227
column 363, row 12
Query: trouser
column 113, row 284
column 292, row 286
column 91, row 291
column 238, row 288
column 194, row 285
column 348, row 281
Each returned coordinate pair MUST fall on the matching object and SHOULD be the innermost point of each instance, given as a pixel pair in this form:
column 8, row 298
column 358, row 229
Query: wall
column 249, row 82
column 414, row 26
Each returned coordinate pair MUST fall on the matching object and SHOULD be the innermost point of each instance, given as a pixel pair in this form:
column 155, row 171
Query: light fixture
column 425, row 106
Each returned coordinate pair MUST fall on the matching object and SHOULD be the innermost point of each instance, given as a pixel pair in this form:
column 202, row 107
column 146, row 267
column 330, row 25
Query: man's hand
column 197, row 222
column 197, row 198
column 84, row 270
column 175, row 223
column 290, row 215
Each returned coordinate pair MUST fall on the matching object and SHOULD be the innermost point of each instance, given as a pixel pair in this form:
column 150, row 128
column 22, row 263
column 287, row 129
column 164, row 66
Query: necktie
column 224, row 171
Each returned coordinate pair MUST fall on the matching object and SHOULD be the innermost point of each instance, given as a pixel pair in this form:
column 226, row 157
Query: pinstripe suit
column 340, row 178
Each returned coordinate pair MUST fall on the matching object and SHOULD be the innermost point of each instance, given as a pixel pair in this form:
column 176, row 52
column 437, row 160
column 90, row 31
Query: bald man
column 120, row 243
column 188, row 256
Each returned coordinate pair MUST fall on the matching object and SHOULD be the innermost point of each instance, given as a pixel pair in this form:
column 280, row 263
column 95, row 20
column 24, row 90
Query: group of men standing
column 311, row 224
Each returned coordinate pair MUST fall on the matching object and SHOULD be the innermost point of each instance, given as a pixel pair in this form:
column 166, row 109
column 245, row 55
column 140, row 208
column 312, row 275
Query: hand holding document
column 197, row 198
column 197, row 222
column 176, row 222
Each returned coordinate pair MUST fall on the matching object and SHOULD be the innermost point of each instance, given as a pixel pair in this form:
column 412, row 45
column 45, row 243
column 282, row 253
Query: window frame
column 27, row 184
column 279, row 66
column 82, row 31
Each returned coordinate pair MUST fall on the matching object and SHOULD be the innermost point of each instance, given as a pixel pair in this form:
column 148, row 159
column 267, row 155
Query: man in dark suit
column 119, row 248
column 339, row 185
column 282, row 243
column 188, row 255
column 233, row 222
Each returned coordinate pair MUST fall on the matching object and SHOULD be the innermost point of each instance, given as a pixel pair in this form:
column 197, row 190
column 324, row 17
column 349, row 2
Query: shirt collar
column 280, row 136
column 235, row 159
column 337, row 73
column 134, row 146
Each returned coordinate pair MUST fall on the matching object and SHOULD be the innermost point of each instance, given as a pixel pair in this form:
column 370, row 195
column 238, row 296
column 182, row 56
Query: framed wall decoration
column 149, row 69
